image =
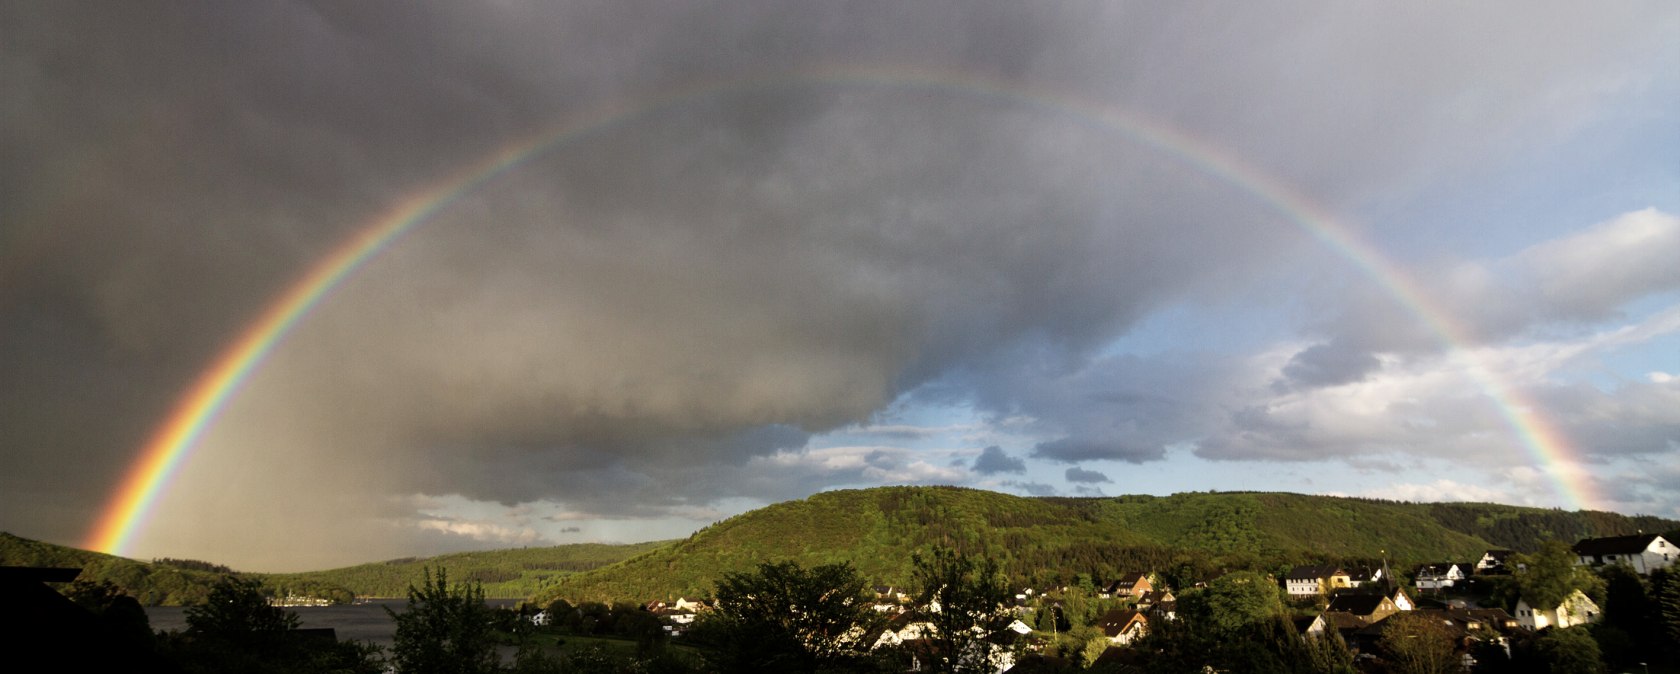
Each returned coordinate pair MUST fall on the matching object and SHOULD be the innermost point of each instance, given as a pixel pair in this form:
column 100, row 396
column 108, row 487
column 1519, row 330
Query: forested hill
column 514, row 572
column 518, row 572
column 171, row 582
column 1042, row 540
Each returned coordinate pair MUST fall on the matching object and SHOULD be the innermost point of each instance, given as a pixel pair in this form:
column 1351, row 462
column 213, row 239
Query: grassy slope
column 876, row 530
column 152, row 584
column 516, row 572
column 519, row 572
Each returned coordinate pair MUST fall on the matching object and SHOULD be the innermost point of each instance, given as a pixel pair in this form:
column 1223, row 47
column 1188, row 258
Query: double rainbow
column 172, row 443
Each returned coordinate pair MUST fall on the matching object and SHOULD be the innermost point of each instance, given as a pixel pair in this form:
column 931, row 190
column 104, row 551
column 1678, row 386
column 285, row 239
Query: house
column 905, row 627
column 1123, row 626
column 1130, row 585
column 1159, row 604
column 1442, row 575
column 1643, row 552
column 686, row 605
column 1494, row 618
column 1369, row 608
column 1401, row 601
column 1575, row 609
column 1342, row 623
column 1360, row 577
column 1494, row 562
column 1311, row 580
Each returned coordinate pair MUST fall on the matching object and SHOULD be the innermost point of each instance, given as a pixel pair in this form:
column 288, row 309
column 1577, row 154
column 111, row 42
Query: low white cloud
column 1443, row 489
column 489, row 532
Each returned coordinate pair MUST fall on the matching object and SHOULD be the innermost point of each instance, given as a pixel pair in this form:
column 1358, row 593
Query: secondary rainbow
column 171, row 444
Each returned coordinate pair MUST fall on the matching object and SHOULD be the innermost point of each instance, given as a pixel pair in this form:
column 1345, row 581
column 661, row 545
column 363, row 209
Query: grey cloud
column 993, row 460
column 630, row 318
column 1124, row 408
column 1578, row 279
column 1077, row 474
column 1074, row 450
column 1329, row 365
column 1589, row 275
column 1031, row 488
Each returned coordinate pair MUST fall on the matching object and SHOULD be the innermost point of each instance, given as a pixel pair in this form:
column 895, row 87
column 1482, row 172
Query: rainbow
column 171, row 444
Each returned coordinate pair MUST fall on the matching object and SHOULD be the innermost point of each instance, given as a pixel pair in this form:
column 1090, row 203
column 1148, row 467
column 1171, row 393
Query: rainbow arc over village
column 173, row 442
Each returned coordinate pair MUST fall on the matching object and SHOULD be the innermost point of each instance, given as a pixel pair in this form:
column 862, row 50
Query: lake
column 363, row 622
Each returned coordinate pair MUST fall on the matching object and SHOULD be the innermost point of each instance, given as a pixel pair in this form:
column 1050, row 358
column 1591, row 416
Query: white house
column 1309, row 580
column 1643, row 552
column 1493, row 561
column 1575, row 609
column 1401, row 601
column 1439, row 576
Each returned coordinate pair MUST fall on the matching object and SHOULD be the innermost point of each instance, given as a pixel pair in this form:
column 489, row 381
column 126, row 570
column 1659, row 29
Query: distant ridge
column 1038, row 540
column 1041, row 540
column 517, row 572
column 508, row 573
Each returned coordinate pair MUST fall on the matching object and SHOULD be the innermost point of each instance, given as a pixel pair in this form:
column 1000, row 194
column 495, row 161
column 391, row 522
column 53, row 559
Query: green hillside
column 1049, row 540
column 166, row 583
column 519, row 572
column 515, row 572
column 1038, row 540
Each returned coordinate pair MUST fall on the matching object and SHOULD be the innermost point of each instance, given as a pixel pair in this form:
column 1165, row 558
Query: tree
column 1548, row 576
column 1418, row 644
column 120, row 614
column 1569, row 651
column 236, row 630
column 973, row 614
column 1665, row 593
column 446, row 629
column 1234, row 602
column 1327, row 654
column 783, row 617
column 237, row 611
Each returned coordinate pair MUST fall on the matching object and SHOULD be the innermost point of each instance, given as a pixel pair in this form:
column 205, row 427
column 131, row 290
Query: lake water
column 363, row 622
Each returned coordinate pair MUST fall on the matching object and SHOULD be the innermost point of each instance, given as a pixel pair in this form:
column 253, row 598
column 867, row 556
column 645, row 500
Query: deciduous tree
column 446, row 629
column 1570, row 651
column 783, row 617
column 974, row 614
column 1418, row 644
column 238, row 611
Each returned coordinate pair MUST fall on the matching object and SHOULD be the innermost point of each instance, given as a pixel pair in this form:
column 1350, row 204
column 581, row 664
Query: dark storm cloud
column 666, row 304
column 1077, row 474
column 994, row 460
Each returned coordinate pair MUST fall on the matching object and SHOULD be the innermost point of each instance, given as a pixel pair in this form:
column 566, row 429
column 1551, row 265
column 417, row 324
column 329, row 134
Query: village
column 1464, row 604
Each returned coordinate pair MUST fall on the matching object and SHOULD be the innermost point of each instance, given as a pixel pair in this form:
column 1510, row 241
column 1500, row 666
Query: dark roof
column 1495, row 618
column 1116, row 620
column 1357, row 604
column 1441, row 568
column 1614, row 545
column 1342, row 622
column 1130, row 579
column 1312, row 571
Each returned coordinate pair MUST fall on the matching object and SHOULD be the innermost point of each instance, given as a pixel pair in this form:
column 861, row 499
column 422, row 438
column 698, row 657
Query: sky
column 666, row 262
